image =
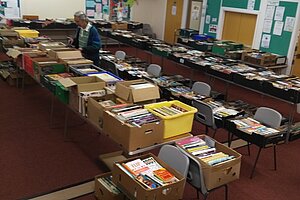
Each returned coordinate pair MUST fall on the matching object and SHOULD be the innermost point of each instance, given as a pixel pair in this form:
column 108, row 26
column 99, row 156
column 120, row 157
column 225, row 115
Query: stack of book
column 148, row 172
column 202, row 150
column 170, row 111
column 250, row 125
column 135, row 115
column 109, row 185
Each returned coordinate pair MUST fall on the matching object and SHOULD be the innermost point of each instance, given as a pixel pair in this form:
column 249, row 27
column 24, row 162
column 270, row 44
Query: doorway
column 173, row 19
column 239, row 27
column 296, row 63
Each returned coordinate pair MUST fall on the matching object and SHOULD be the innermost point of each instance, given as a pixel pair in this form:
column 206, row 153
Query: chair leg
column 197, row 193
column 215, row 131
column 248, row 145
column 206, row 129
column 226, row 192
column 258, row 154
column 275, row 163
column 229, row 139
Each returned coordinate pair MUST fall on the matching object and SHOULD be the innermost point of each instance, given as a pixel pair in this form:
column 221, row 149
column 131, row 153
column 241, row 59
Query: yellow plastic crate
column 176, row 124
column 28, row 33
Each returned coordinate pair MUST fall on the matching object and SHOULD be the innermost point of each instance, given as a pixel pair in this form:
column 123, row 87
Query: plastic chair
column 271, row 118
column 154, row 70
column 268, row 117
column 175, row 158
column 120, row 55
column 205, row 115
column 196, row 179
column 201, row 88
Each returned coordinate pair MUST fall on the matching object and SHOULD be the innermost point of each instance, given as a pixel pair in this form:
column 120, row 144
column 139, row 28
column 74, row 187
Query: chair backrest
column 195, row 175
column 174, row 158
column 205, row 113
column 120, row 55
column 154, row 70
column 201, row 88
column 268, row 116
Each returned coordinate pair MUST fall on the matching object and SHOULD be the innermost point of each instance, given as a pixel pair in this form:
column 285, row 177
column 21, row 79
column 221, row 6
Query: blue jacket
column 91, row 51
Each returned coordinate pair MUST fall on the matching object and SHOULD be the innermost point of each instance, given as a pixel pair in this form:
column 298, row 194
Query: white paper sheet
column 207, row 19
column 251, row 4
column 174, row 8
column 267, row 26
column 278, row 26
column 279, row 13
column 270, row 12
column 289, row 24
column 265, row 41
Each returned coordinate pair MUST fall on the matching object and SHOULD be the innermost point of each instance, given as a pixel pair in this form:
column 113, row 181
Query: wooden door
column 173, row 19
column 296, row 64
column 239, row 27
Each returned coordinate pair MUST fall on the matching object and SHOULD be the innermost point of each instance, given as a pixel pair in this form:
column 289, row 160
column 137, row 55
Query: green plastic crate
column 62, row 93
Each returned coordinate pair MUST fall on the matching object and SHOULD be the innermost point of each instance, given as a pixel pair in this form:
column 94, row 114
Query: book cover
column 147, row 182
column 136, row 166
column 164, row 175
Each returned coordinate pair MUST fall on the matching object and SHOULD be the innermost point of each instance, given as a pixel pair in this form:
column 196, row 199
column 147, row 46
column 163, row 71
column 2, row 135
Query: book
column 164, row 175
column 191, row 140
column 147, row 182
column 136, row 166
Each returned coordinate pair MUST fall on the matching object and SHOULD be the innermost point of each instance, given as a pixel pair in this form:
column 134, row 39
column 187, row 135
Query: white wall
column 151, row 12
column 51, row 8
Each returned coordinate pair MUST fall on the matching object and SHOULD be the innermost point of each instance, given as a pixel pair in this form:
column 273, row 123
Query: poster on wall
column 9, row 9
column 207, row 19
column 212, row 28
column 265, row 41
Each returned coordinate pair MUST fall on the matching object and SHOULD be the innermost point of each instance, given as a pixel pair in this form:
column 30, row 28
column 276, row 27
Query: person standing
column 87, row 38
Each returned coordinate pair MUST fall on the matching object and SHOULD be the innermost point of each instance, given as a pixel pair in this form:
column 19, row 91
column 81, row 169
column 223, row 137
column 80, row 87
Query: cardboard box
column 43, row 66
column 102, row 193
column 137, row 191
column 77, row 61
column 223, row 173
column 131, row 137
column 80, row 84
column 95, row 110
column 50, row 45
column 128, row 94
column 65, row 54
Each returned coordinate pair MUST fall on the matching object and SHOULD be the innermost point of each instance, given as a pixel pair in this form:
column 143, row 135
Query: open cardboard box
column 136, row 191
column 102, row 193
column 125, row 92
column 132, row 137
column 80, row 84
column 95, row 110
column 223, row 173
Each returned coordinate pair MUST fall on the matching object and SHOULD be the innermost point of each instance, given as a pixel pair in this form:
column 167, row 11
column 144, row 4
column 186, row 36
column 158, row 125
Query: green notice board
column 213, row 11
column 279, row 44
column 243, row 4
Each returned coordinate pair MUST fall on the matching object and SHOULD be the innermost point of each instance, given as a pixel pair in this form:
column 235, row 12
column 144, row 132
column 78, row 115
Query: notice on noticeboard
column 279, row 13
column 267, row 26
column 265, row 41
column 289, row 24
column 270, row 12
column 278, row 26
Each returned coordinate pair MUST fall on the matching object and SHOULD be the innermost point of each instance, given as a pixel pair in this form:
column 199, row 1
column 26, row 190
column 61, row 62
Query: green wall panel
column 240, row 4
column 280, row 44
column 213, row 9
